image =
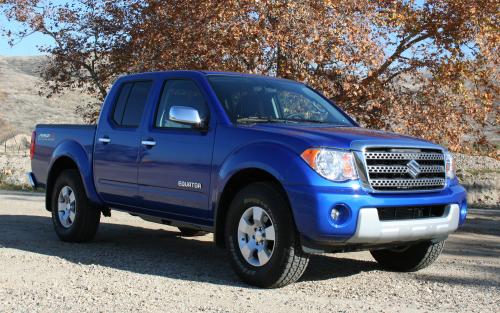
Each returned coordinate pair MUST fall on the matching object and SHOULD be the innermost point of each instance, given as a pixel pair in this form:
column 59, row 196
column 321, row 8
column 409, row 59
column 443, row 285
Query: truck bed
column 50, row 136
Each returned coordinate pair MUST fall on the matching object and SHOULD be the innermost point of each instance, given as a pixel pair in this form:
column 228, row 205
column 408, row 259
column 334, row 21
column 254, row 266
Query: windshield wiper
column 255, row 119
column 303, row 120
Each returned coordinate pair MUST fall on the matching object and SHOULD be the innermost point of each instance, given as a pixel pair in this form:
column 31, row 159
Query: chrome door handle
column 104, row 140
column 148, row 143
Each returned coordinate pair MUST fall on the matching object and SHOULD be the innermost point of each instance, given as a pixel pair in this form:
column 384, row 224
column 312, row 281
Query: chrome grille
column 404, row 156
column 404, row 169
column 396, row 169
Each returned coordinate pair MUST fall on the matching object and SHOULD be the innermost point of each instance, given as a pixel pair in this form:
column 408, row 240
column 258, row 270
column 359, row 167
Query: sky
column 28, row 46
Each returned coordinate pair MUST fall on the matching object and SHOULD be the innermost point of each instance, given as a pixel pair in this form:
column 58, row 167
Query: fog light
column 339, row 214
column 335, row 214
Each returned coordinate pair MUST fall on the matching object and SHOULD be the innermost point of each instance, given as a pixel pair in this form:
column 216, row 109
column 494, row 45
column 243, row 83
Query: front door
column 116, row 151
column 175, row 159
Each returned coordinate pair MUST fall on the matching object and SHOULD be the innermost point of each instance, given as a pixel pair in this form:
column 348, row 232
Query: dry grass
column 5, row 129
column 21, row 105
column 21, row 108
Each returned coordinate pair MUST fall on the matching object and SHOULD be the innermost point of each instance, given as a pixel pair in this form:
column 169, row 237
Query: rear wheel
column 409, row 258
column 261, row 238
column 73, row 217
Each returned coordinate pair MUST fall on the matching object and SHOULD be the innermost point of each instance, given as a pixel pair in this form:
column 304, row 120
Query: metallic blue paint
column 127, row 176
column 179, row 155
column 66, row 141
column 312, row 204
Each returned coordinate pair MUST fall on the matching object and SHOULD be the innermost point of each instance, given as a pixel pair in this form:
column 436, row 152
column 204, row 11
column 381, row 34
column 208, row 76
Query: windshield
column 260, row 99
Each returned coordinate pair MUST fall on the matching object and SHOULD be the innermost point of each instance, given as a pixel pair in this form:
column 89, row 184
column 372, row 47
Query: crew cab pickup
column 270, row 166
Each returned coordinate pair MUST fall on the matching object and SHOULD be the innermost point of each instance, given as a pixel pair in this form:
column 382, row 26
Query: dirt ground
column 139, row 266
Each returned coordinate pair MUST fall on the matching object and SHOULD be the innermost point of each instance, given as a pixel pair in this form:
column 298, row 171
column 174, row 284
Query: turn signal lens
column 335, row 165
column 450, row 165
column 32, row 145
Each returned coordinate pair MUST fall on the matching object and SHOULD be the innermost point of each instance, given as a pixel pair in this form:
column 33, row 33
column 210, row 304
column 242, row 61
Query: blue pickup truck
column 270, row 166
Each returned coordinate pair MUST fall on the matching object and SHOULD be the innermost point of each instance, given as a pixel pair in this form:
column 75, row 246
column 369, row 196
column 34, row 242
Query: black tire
column 87, row 217
column 190, row 232
column 287, row 262
column 409, row 259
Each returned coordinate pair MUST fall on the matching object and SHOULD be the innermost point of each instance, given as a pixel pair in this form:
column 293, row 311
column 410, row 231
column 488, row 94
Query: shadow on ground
column 486, row 222
column 457, row 280
column 150, row 251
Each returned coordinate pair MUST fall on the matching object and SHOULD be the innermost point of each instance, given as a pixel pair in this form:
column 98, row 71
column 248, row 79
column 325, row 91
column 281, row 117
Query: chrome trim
column 104, row 140
column 359, row 148
column 148, row 143
column 371, row 230
column 407, row 182
column 361, row 170
column 403, row 156
column 185, row 115
column 404, row 169
column 361, row 145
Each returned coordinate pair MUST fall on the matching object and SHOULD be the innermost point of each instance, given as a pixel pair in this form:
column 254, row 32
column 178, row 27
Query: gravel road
column 139, row 266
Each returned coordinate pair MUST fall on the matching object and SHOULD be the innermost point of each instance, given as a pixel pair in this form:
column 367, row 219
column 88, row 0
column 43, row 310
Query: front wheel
column 74, row 218
column 261, row 238
column 409, row 258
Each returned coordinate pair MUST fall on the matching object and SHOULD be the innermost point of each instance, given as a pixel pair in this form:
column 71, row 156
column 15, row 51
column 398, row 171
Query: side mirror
column 185, row 115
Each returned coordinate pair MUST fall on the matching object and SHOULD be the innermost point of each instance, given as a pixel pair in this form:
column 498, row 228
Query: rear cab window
column 130, row 103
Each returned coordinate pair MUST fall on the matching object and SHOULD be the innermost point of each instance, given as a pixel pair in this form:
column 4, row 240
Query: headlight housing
column 334, row 165
column 450, row 165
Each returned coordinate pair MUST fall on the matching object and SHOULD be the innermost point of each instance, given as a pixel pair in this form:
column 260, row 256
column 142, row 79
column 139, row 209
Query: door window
column 179, row 93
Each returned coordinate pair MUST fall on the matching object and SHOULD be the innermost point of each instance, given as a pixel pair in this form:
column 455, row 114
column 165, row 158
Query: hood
column 343, row 137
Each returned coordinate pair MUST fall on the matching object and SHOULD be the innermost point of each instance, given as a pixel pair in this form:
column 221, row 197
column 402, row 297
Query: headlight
column 335, row 165
column 450, row 165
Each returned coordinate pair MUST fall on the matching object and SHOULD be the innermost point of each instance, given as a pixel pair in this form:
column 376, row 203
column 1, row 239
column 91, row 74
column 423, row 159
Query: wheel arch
column 71, row 155
column 236, row 182
column 60, row 165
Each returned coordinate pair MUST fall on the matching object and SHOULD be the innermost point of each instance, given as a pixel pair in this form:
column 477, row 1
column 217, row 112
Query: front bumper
column 361, row 227
column 370, row 230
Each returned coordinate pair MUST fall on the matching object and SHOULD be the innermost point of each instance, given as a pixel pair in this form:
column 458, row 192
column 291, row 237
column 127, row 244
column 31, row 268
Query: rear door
column 117, row 143
column 174, row 170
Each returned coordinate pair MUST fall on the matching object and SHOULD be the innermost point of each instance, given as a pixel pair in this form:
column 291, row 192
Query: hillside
column 21, row 106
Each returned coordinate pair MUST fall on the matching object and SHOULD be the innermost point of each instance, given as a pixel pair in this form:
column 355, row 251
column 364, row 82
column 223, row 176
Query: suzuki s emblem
column 413, row 168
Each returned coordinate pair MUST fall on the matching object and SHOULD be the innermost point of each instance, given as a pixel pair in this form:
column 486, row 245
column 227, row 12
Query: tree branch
column 404, row 45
